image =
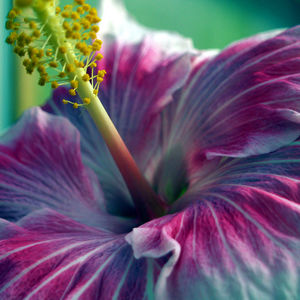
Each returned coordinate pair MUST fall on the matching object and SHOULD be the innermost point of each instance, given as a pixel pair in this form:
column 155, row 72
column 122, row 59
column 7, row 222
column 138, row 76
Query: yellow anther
column 54, row 85
column 99, row 56
column 79, row 2
column 85, row 24
column 29, row 68
column 99, row 79
column 72, row 92
column 76, row 35
column 86, row 100
column 20, row 51
column 79, row 64
column 85, row 36
column 26, row 62
column 23, row 3
column 64, row 101
column 11, row 38
column 95, row 19
column 95, row 28
column 74, row 84
column 70, row 68
column 79, row 45
column 32, row 52
column 96, row 46
column 16, row 26
column 66, row 25
column 76, row 26
column 86, row 7
column 42, row 81
column 62, row 49
column 41, row 69
column 36, row 33
column 68, row 34
column 12, row 14
column 80, row 10
column 28, row 39
column 86, row 51
column 57, row 10
column 97, row 41
column 53, row 64
column 93, row 11
column 75, row 105
column 95, row 92
column 75, row 15
column 62, row 74
column 101, row 73
column 93, row 35
column 32, row 25
column 93, row 65
column 68, row 7
column 86, row 77
column 35, row 60
column 65, row 14
column 40, row 54
column 9, row 24
column 49, row 52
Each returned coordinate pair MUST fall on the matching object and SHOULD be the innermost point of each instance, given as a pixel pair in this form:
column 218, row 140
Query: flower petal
column 239, row 236
column 40, row 166
column 243, row 102
column 49, row 256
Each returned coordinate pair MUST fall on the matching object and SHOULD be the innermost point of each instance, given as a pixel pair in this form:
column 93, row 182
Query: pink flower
column 217, row 137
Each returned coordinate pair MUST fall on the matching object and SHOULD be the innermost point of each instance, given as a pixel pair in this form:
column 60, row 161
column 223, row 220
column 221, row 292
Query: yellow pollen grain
column 65, row 14
column 86, row 77
column 49, row 52
column 57, row 10
column 86, row 100
column 53, row 64
column 99, row 56
column 74, row 84
column 75, row 105
column 70, row 68
column 62, row 74
column 86, row 7
column 79, row 2
column 54, row 85
column 72, row 92
column 62, row 49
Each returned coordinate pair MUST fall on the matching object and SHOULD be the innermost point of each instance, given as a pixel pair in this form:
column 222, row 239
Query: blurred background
column 210, row 24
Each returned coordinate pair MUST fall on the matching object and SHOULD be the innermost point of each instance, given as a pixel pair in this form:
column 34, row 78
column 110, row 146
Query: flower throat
column 61, row 45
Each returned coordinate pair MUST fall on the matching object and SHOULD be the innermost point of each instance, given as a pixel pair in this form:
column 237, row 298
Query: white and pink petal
column 41, row 167
column 49, row 256
column 236, row 235
column 243, row 102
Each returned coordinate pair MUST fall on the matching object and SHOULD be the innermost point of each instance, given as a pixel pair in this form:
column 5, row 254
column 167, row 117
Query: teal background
column 210, row 23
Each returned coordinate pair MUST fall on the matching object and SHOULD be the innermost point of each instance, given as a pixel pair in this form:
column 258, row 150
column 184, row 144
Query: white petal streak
column 30, row 268
column 121, row 283
column 94, row 277
column 27, row 246
column 250, row 218
column 79, row 260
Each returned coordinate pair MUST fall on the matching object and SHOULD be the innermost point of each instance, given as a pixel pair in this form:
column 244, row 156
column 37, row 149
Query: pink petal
column 243, row 102
column 40, row 166
column 49, row 256
column 237, row 235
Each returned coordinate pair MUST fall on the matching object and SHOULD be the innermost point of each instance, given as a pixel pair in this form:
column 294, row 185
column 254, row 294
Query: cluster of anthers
column 61, row 44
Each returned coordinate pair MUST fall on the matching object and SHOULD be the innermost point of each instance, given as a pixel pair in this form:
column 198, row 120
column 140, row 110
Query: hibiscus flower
column 217, row 137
